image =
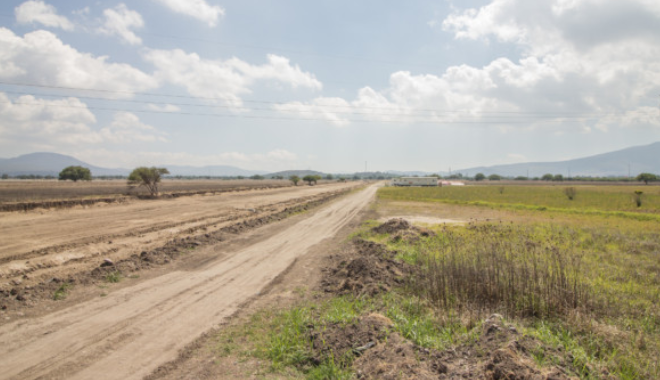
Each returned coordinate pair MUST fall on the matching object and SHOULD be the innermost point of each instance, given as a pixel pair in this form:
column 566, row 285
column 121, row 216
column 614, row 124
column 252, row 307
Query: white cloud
column 198, row 9
column 36, row 11
column 271, row 160
column 121, row 21
column 331, row 109
column 226, row 80
column 66, row 122
column 53, row 121
column 580, row 61
column 41, row 58
column 163, row 108
column 127, row 127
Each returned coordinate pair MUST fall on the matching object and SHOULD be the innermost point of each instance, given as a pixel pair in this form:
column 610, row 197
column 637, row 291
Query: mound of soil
column 392, row 226
column 371, row 270
column 376, row 352
column 401, row 229
column 343, row 342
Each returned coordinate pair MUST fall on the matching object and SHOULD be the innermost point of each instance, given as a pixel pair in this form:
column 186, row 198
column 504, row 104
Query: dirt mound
column 343, row 342
column 392, row 226
column 372, row 270
column 401, row 229
column 376, row 352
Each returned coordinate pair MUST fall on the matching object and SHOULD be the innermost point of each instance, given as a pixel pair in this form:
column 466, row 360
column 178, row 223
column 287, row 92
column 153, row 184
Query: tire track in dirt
column 55, row 239
column 131, row 332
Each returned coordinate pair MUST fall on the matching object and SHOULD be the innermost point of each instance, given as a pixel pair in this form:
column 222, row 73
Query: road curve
column 132, row 331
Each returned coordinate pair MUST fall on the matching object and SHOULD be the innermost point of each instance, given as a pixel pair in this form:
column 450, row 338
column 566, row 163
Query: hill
column 637, row 159
column 50, row 164
column 44, row 164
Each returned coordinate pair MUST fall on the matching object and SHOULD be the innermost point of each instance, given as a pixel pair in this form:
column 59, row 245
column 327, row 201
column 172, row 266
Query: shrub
column 570, row 193
column 147, row 177
column 75, row 173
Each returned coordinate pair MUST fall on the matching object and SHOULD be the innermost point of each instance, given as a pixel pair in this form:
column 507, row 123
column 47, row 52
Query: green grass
column 113, row 277
column 62, row 291
column 616, row 201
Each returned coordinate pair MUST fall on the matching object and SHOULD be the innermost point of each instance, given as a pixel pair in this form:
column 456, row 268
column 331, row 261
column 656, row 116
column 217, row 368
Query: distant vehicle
column 415, row 181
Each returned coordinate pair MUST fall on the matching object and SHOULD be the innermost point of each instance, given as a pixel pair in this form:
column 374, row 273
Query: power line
column 277, row 110
column 528, row 113
column 241, row 116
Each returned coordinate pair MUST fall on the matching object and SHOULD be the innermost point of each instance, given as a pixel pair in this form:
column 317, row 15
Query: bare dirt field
column 21, row 195
column 135, row 326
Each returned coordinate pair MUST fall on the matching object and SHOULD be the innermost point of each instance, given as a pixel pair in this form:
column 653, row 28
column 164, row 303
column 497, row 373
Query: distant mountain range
column 45, row 164
column 632, row 160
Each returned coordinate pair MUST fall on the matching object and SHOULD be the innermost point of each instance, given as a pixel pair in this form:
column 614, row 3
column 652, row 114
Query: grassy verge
column 583, row 290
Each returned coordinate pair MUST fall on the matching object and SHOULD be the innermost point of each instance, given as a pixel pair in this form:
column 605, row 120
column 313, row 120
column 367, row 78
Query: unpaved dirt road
column 129, row 333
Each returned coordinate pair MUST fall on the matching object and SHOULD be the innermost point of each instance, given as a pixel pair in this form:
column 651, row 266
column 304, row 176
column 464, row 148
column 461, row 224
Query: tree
column 5, row 176
column 147, row 177
column 646, row 178
column 295, row 179
column 558, row 177
column 311, row 179
column 329, row 177
column 479, row 177
column 75, row 173
column 257, row 176
column 547, row 177
column 494, row 177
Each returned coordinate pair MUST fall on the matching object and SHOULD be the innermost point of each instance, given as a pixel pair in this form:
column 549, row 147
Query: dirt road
column 129, row 333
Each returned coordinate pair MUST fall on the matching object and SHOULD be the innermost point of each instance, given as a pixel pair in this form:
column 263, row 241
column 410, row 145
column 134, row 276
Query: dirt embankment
column 500, row 351
column 22, row 292
column 69, row 203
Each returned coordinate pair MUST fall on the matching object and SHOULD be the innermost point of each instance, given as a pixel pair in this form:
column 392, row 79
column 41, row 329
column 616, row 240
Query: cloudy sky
column 274, row 85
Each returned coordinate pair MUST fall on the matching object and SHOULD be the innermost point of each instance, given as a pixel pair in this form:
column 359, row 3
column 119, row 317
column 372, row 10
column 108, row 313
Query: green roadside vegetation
column 580, row 291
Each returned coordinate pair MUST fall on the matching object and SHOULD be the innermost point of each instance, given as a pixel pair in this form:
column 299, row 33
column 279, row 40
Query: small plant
column 570, row 193
column 638, row 197
column 501, row 189
column 113, row 277
column 62, row 291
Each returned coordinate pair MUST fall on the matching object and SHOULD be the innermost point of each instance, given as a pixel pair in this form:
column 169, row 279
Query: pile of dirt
column 377, row 352
column 344, row 342
column 401, row 229
column 371, row 270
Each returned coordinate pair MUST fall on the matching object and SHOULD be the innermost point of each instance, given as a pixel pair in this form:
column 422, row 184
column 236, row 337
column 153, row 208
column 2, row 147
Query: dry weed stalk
column 502, row 271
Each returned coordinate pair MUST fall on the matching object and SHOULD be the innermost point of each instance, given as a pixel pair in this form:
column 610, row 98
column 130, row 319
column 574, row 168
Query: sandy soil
column 39, row 244
column 132, row 331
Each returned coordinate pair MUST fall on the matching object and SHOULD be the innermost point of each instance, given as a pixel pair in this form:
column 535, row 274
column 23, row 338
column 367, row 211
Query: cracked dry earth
column 134, row 329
